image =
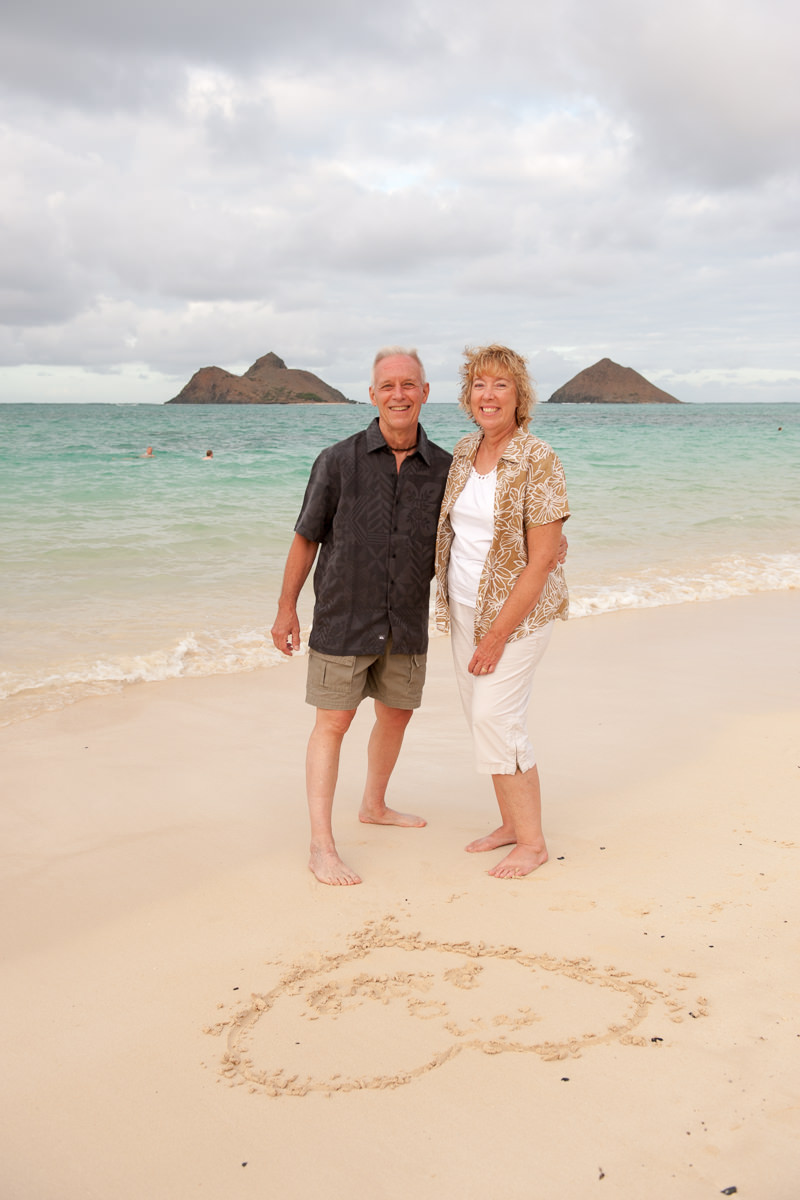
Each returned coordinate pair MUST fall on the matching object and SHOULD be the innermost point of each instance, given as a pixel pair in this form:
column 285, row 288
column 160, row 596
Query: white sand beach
column 188, row 1012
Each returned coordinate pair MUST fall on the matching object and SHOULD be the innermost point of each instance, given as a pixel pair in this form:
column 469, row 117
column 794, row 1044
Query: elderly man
column 372, row 505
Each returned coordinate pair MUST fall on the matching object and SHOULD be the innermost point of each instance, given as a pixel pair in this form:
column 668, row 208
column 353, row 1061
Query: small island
column 608, row 383
column 268, row 381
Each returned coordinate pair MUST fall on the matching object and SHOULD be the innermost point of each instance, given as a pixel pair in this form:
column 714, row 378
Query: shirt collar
column 514, row 451
column 376, row 440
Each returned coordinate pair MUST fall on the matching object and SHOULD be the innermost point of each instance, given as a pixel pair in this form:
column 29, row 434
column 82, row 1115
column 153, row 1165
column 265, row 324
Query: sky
column 189, row 183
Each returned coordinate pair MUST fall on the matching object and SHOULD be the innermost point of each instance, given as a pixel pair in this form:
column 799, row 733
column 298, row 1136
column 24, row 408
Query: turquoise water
column 118, row 568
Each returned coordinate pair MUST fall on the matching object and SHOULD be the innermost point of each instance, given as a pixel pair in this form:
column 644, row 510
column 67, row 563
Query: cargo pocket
column 336, row 672
column 417, row 666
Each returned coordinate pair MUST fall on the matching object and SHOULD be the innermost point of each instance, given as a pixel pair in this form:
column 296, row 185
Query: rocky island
column 268, row 381
column 609, row 383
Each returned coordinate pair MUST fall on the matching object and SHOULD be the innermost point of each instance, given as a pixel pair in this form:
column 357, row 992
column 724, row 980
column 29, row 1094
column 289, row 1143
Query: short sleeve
column 546, row 489
column 321, row 499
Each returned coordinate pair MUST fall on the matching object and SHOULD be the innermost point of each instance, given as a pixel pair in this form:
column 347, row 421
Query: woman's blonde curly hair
column 498, row 360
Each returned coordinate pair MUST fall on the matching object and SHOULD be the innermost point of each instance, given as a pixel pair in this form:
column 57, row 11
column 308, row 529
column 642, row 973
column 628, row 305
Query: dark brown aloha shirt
column 531, row 490
column 377, row 532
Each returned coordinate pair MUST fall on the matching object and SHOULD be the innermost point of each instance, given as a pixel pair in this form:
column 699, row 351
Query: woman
column 500, row 587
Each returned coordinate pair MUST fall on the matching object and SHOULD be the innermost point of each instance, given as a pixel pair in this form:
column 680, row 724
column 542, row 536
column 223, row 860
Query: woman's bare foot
column 388, row 816
column 329, row 868
column 499, row 837
column 521, row 861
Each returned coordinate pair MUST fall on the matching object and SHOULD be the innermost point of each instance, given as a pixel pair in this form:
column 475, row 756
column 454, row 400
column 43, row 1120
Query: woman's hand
column 545, row 546
column 488, row 653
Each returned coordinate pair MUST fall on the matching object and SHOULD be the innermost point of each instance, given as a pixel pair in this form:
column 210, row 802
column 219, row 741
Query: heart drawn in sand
column 395, row 1005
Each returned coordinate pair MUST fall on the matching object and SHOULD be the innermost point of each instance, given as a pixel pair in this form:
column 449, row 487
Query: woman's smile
column 494, row 402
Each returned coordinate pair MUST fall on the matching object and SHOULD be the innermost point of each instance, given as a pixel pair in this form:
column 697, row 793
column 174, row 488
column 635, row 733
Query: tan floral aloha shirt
column 531, row 490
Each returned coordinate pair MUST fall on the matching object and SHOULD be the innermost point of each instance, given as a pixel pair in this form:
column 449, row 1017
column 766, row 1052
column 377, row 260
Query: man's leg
column 322, row 769
column 384, row 747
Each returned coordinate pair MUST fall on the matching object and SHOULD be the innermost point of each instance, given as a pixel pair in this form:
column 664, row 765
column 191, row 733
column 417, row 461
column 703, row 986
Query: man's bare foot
column 388, row 816
column 329, row 868
column 521, row 861
column 498, row 837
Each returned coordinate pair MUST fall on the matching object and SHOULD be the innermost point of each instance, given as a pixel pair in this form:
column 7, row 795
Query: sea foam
column 203, row 653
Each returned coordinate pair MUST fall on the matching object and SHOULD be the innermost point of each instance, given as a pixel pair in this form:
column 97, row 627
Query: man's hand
column 286, row 631
column 562, row 549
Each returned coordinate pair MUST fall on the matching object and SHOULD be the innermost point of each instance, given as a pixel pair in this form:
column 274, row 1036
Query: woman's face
column 493, row 399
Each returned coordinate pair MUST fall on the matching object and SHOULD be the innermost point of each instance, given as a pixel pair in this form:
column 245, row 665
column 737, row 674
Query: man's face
column 398, row 393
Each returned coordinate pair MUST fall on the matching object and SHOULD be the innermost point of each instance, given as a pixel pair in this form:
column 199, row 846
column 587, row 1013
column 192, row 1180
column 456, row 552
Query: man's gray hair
column 391, row 352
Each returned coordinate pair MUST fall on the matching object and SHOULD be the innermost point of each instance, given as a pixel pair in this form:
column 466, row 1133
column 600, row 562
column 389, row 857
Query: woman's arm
column 544, row 545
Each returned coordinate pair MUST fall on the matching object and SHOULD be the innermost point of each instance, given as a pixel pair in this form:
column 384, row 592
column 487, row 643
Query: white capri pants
column 496, row 705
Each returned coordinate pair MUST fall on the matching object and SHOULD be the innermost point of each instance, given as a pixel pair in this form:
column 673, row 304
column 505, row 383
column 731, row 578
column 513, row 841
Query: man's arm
column 286, row 630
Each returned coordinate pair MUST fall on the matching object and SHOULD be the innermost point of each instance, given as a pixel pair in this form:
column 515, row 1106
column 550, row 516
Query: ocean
column 117, row 569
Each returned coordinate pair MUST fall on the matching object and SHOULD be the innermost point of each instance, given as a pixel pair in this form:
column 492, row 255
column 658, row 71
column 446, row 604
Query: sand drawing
column 395, row 1005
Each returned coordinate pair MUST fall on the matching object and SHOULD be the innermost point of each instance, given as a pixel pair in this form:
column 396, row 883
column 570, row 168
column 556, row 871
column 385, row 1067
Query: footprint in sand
column 395, row 1005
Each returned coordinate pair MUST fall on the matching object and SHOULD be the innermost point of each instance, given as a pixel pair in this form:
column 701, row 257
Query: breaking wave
column 216, row 653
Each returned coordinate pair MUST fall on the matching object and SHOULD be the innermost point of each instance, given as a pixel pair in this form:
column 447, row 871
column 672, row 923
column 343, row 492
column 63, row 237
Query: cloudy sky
column 189, row 182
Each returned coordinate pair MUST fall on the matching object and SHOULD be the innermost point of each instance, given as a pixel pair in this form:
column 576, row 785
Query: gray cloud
column 184, row 185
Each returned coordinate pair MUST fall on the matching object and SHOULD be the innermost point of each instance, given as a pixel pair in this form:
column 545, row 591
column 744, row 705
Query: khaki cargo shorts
column 341, row 682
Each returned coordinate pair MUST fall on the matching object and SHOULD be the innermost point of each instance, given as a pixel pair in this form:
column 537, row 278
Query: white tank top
column 472, row 518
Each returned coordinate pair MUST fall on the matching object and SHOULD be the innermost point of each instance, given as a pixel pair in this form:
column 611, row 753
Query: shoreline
column 629, row 1001
column 233, row 652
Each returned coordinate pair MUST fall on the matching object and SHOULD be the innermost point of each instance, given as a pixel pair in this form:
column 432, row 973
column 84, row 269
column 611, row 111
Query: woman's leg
column 503, row 749
column 462, row 646
column 519, row 796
